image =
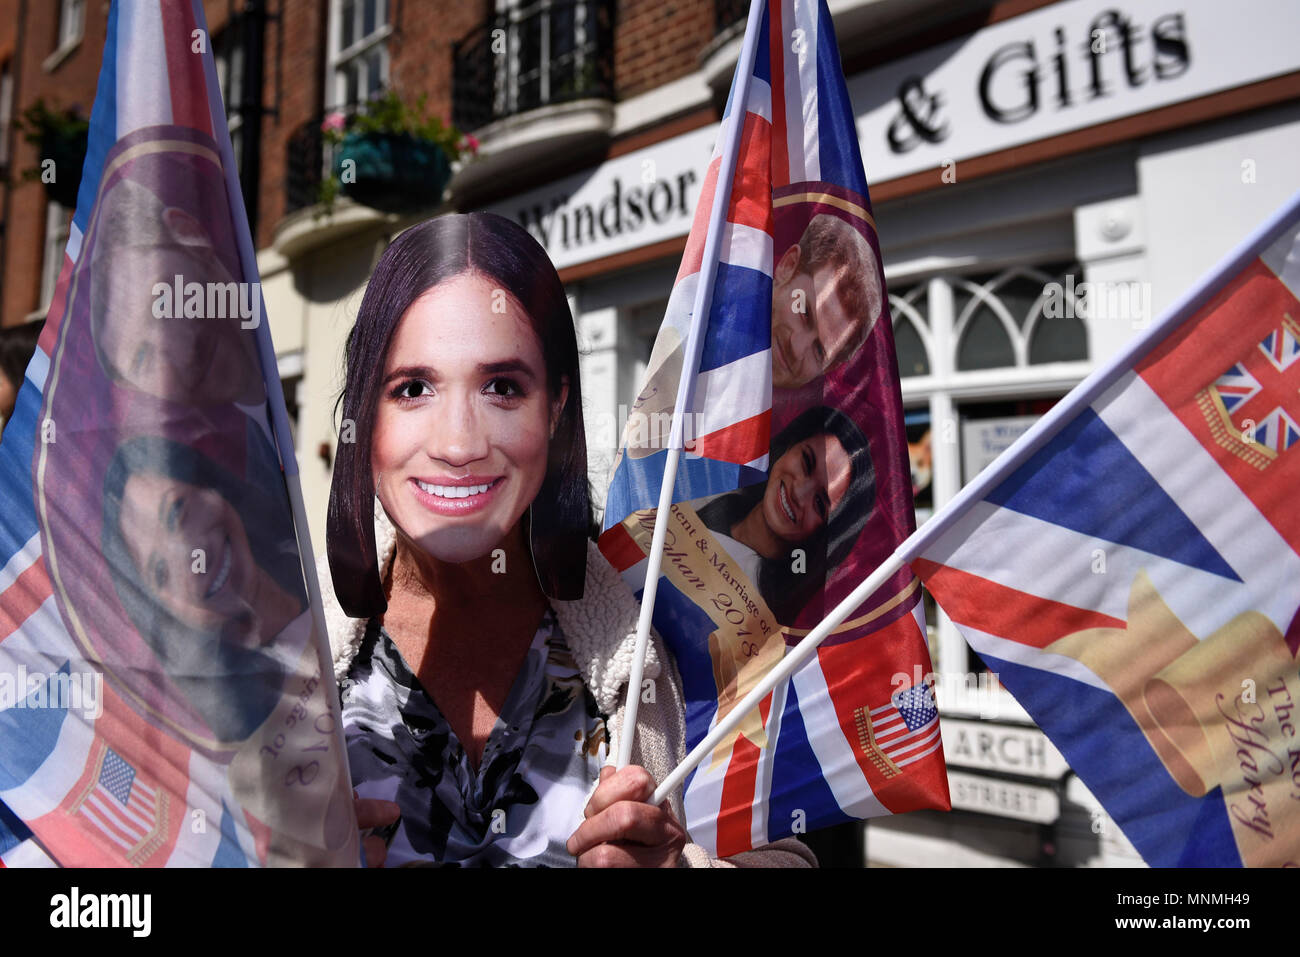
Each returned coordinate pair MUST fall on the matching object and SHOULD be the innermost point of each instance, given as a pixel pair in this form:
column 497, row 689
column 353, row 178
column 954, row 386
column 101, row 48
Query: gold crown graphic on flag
column 1217, row 711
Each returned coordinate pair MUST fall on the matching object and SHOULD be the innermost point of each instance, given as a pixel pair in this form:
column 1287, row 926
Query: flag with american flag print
column 166, row 696
column 905, row 728
column 794, row 482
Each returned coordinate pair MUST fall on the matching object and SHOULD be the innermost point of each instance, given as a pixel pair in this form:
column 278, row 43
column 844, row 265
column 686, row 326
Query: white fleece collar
column 600, row 627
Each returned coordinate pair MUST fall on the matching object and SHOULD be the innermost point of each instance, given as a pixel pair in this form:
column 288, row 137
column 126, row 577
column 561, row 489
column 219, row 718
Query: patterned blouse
column 539, row 765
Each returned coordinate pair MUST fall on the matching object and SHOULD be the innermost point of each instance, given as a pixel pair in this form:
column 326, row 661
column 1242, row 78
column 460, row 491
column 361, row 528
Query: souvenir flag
column 165, row 691
column 1129, row 569
column 17, row 847
column 794, row 482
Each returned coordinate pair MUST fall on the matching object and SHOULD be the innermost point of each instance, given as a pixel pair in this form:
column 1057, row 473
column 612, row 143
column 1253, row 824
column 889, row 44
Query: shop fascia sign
column 1064, row 67
column 631, row 201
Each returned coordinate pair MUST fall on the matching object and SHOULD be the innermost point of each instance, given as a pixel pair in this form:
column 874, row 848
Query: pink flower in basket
column 333, row 123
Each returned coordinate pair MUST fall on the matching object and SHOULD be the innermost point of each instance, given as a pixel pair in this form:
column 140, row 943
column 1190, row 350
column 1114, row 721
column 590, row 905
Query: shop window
column 920, row 458
column 985, row 343
column 1005, row 325
column 911, row 329
column 1020, row 316
column 1062, row 339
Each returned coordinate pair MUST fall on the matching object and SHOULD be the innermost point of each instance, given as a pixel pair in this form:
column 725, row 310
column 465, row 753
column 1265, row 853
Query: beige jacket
column 600, row 629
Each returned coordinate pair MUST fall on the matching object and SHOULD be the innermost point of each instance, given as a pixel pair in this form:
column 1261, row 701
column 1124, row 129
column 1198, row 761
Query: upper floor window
column 228, row 53
column 72, row 17
column 58, row 221
column 358, row 61
column 6, row 112
column 531, row 54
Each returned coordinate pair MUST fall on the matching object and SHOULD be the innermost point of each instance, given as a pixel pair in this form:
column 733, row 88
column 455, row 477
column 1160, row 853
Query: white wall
column 1196, row 204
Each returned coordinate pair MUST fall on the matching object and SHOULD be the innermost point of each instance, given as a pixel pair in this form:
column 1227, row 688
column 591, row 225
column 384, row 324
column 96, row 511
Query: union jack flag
column 121, row 412
column 794, row 483
column 1131, row 569
column 1251, row 399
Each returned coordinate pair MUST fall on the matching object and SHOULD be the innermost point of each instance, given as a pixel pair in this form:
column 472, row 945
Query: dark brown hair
column 419, row 259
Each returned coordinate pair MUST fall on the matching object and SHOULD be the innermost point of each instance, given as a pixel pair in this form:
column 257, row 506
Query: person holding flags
column 481, row 641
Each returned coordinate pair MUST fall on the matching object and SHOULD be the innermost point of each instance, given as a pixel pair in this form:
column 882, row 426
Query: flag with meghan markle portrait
column 166, row 696
column 794, row 482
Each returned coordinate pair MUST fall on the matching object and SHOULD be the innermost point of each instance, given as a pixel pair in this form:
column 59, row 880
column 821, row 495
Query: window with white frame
column 358, row 53
column 6, row 111
column 980, row 357
column 72, row 17
column 58, row 220
column 228, row 54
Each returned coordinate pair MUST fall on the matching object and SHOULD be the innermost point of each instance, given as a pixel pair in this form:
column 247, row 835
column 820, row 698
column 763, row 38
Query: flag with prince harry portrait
column 794, row 483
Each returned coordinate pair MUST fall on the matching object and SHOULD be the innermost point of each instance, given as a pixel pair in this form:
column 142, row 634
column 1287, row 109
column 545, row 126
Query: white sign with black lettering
column 631, row 201
column 1059, row 68
column 997, row 747
column 1025, row 802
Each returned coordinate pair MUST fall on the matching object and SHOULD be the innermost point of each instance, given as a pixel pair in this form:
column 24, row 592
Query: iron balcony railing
column 305, row 164
column 548, row 52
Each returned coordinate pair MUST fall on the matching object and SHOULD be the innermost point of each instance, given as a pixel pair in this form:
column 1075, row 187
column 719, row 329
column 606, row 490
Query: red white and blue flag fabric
column 794, row 483
column 165, row 698
column 1131, row 570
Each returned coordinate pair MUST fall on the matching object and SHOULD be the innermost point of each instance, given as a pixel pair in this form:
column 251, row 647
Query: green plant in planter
column 59, row 136
column 389, row 155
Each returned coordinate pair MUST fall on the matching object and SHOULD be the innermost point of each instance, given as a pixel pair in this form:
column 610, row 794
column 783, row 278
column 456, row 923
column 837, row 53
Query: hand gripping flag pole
column 694, row 350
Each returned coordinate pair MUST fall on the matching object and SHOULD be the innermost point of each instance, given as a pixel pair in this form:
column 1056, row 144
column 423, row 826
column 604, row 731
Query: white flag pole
column 691, row 362
column 789, row 664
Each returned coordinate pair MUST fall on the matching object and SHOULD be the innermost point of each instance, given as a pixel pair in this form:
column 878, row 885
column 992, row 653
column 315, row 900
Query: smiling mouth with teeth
column 222, row 574
column 454, row 491
column 785, row 504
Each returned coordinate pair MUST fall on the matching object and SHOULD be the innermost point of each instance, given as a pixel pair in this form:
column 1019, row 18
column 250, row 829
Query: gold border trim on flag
column 155, row 837
column 825, row 199
column 869, row 616
column 1225, row 434
column 867, row 741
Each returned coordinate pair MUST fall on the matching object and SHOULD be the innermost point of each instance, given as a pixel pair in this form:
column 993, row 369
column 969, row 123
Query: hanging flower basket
column 392, row 171
column 390, row 156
